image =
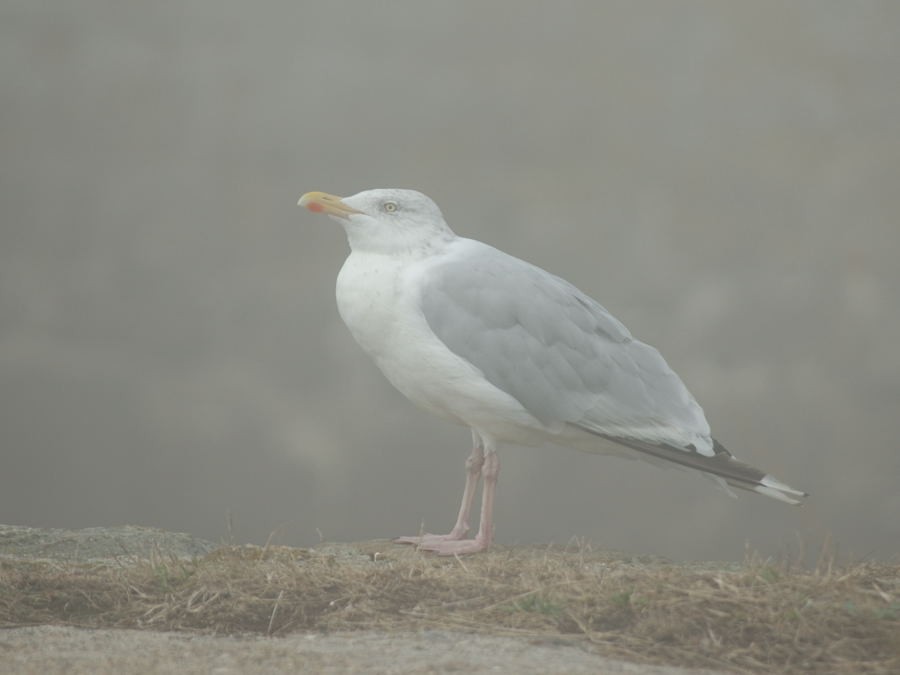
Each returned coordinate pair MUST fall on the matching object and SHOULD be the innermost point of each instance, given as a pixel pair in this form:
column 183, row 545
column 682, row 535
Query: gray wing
column 561, row 354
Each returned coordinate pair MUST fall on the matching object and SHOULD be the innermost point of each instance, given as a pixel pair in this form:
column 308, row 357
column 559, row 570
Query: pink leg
column 473, row 473
column 485, row 535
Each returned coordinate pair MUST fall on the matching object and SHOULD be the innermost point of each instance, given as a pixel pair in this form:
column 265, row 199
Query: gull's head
column 387, row 221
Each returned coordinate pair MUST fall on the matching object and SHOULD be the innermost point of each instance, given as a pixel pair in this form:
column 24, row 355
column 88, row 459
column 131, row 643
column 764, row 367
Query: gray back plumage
column 560, row 353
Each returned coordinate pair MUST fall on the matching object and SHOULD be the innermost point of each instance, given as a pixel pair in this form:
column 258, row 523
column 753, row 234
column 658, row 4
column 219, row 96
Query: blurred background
column 724, row 177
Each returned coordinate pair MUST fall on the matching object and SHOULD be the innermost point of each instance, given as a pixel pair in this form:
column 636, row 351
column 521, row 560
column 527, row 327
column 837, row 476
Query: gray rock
column 126, row 542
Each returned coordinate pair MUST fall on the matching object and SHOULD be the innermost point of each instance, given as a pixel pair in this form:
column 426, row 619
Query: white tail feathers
column 771, row 487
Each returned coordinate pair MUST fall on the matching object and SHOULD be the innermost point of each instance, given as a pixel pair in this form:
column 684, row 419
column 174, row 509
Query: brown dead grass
column 755, row 617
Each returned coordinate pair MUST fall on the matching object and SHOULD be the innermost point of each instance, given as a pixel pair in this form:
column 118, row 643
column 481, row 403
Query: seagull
column 509, row 350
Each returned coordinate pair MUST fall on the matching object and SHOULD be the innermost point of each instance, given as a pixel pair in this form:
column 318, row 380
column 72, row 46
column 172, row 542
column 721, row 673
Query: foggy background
column 724, row 177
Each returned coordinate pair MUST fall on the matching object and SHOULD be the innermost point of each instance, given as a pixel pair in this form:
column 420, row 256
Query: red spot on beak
column 315, row 207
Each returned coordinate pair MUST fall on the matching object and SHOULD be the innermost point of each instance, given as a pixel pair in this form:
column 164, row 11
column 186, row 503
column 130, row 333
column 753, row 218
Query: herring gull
column 511, row 351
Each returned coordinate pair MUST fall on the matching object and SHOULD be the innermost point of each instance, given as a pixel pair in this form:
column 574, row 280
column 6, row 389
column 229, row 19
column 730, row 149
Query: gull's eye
column 390, row 207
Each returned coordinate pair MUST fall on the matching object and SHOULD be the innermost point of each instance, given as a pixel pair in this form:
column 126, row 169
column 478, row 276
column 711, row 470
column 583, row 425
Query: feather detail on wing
column 557, row 351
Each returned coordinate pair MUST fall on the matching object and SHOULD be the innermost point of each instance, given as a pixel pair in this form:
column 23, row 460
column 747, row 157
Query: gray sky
column 722, row 176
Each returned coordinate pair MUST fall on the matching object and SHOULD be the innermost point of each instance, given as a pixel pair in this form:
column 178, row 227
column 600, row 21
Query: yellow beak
column 322, row 202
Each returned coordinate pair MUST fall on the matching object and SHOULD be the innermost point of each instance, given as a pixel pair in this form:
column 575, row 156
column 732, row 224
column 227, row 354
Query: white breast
column 378, row 299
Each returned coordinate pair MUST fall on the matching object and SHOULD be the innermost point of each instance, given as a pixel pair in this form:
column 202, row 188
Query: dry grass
column 755, row 617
